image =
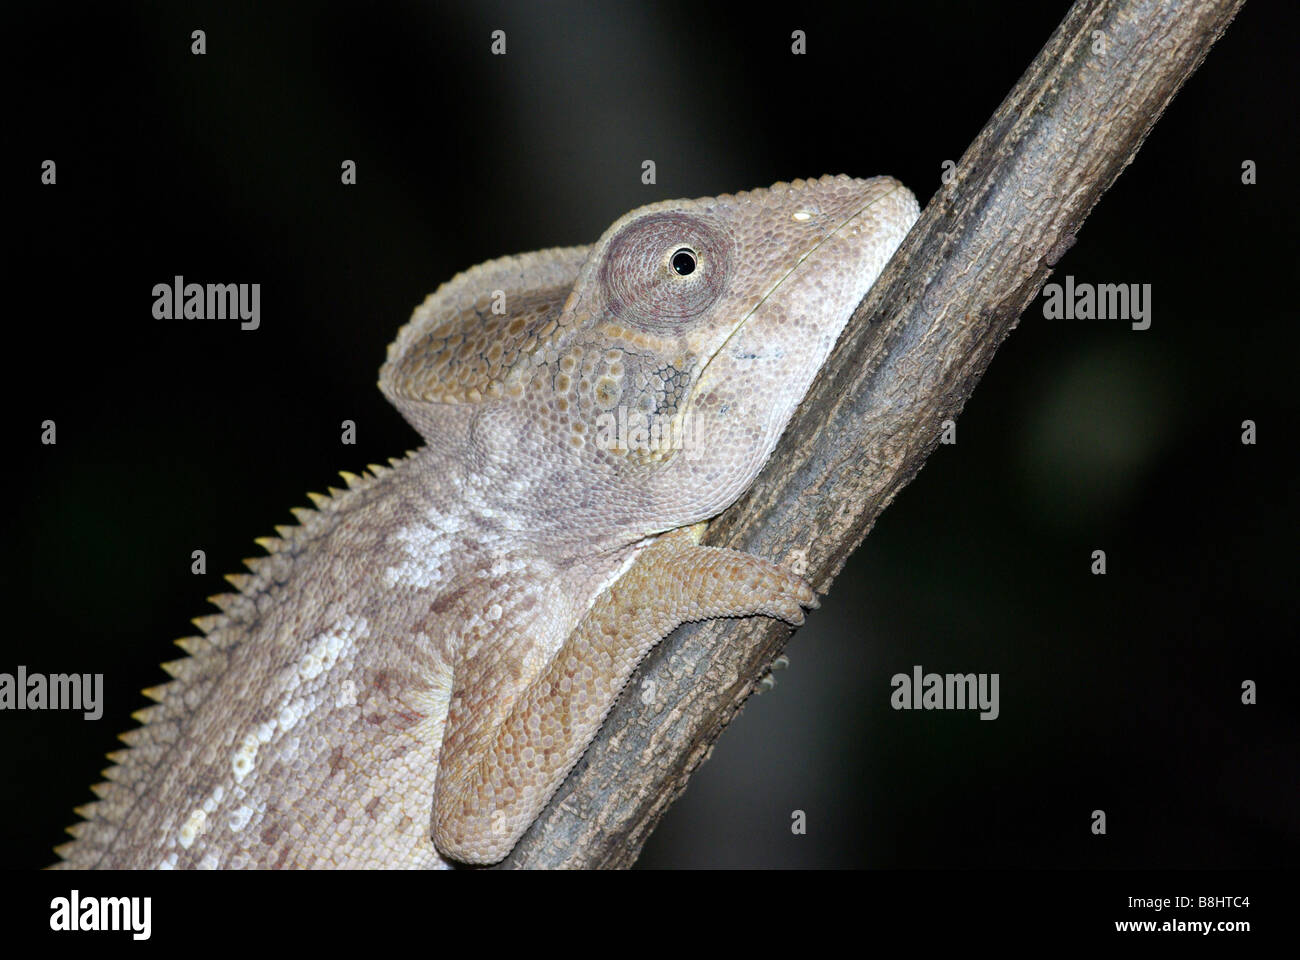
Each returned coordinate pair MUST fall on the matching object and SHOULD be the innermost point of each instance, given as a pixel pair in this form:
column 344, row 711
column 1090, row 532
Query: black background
column 1119, row 692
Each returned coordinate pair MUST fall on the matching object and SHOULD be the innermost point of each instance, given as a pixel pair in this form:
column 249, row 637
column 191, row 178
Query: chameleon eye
column 663, row 271
column 684, row 262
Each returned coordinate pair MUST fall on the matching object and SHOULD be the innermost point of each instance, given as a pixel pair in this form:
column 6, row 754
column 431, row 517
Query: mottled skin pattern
column 411, row 672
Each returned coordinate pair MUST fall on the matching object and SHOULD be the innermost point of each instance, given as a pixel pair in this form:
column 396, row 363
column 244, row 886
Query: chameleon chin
column 411, row 671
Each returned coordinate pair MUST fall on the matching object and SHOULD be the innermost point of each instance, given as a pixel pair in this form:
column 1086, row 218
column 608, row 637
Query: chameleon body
column 413, row 669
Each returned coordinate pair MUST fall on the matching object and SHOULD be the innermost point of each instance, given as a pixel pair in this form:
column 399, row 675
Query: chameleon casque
column 410, row 673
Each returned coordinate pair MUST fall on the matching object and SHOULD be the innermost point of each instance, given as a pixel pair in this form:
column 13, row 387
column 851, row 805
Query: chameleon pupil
column 684, row 262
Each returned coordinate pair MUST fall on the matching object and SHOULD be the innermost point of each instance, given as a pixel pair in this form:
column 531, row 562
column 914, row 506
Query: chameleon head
column 641, row 383
column 708, row 320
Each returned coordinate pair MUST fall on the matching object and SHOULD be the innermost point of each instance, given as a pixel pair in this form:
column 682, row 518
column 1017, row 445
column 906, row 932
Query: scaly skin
column 413, row 670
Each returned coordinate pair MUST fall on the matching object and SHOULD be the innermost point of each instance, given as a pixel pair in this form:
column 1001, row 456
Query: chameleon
column 410, row 672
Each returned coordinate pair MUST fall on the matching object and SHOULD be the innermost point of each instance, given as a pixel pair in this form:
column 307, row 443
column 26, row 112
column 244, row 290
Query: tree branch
column 911, row 355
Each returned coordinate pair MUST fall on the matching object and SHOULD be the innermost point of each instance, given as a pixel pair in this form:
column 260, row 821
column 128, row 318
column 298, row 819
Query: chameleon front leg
column 493, row 781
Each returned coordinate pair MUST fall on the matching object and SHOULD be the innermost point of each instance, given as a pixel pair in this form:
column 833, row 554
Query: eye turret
column 665, row 270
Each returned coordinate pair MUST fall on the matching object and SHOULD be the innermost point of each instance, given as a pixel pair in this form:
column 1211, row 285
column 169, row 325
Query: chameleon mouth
column 784, row 278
